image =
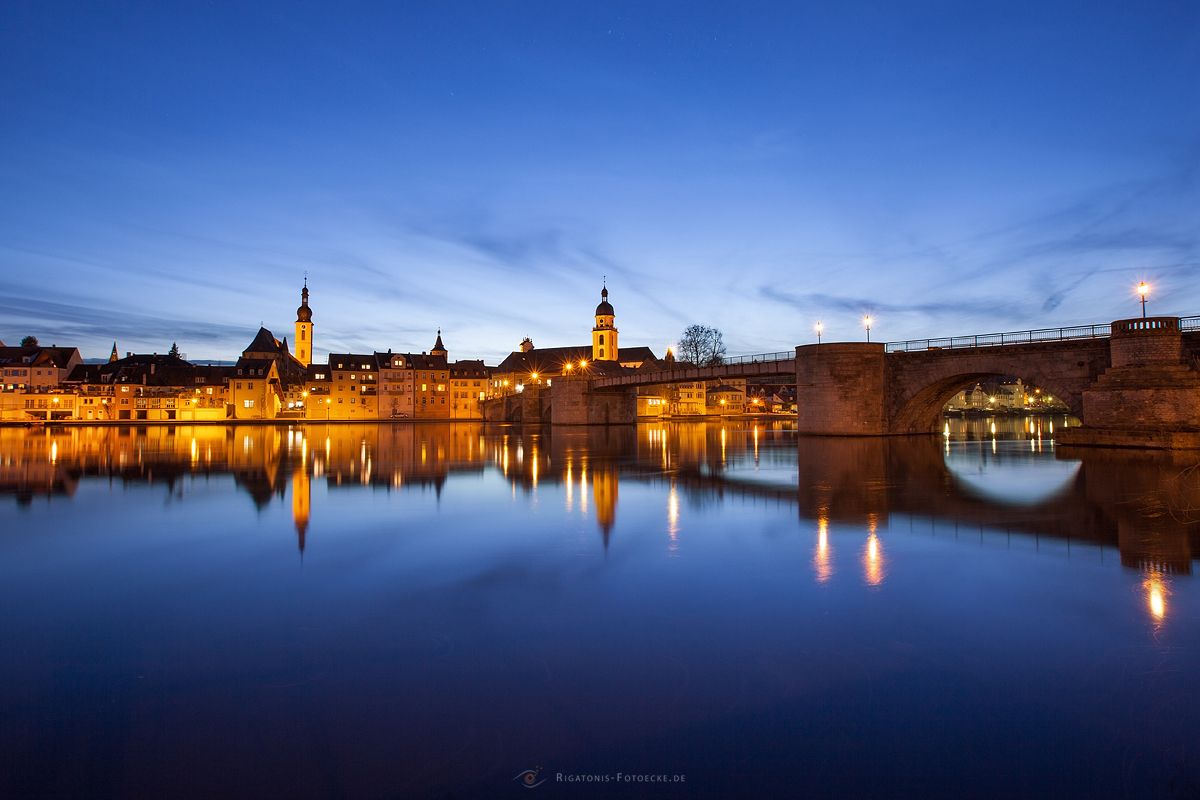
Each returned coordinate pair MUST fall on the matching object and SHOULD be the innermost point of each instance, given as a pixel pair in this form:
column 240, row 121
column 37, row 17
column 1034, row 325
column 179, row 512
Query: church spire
column 113, row 355
column 304, row 327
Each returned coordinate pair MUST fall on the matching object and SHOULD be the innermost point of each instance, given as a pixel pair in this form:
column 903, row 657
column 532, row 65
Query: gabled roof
column 469, row 368
column 264, row 342
column 356, row 362
column 635, row 354
column 60, row 357
column 552, row 359
column 140, row 368
column 254, row 367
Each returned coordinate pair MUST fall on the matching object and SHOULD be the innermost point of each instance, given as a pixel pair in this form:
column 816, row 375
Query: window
column 602, row 338
column 239, row 385
column 424, row 387
column 302, row 331
column 247, row 404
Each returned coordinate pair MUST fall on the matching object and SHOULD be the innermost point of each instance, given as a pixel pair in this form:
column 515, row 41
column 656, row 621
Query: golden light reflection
column 673, row 519
column 1156, row 590
column 583, row 504
column 569, row 484
column 873, row 561
column 822, row 563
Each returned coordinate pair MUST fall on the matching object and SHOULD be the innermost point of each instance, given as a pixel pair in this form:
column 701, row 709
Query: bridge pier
column 841, row 389
column 1149, row 397
column 574, row 401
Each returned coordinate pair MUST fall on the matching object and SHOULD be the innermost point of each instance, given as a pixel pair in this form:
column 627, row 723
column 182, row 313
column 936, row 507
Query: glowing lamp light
column 583, row 363
column 1143, row 289
column 819, row 328
column 867, row 324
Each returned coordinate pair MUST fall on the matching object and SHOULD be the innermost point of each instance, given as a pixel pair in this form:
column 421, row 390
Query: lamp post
column 1143, row 289
column 818, row 328
column 867, row 325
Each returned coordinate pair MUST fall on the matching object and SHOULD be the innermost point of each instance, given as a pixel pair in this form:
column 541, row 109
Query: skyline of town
column 946, row 172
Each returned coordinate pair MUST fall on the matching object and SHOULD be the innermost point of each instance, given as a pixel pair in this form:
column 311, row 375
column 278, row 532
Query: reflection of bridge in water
column 1142, row 502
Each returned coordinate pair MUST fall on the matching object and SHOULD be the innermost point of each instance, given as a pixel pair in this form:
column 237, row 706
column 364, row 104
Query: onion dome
column 605, row 308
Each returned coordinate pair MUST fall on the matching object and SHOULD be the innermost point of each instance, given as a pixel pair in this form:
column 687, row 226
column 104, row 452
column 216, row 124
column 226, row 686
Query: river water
column 717, row 609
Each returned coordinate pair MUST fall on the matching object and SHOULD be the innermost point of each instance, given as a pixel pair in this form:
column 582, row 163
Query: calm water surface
column 424, row 610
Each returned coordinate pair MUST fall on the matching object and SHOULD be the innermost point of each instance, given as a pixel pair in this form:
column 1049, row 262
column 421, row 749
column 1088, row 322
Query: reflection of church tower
column 439, row 349
column 604, row 335
column 301, row 498
column 304, row 328
column 604, row 493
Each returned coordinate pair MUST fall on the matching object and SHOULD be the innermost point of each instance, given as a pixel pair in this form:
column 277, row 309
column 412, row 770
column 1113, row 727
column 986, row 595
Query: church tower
column 304, row 328
column 604, row 335
column 439, row 349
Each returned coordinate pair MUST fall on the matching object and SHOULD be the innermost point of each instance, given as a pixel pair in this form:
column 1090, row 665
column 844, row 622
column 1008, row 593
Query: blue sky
column 170, row 171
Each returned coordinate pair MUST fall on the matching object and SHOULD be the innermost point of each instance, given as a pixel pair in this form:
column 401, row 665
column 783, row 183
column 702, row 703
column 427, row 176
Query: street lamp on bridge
column 867, row 325
column 818, row 328
column 1143, row 289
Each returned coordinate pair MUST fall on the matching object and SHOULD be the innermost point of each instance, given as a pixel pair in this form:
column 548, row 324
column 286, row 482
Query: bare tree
column 702, row 345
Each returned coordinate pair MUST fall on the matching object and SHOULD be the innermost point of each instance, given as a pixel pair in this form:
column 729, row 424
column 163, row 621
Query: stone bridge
column 1137, row 375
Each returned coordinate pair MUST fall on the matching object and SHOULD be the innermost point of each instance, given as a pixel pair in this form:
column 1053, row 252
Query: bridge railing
column 759, row 358
column 1101, row 331
column 1098, row 331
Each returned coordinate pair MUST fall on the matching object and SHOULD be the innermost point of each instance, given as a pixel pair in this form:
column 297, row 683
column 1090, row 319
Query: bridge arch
column 920, row 384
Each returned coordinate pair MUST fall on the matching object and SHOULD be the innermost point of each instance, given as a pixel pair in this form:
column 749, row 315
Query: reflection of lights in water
column 195, row 451
column 570, row 485
column 1156, row 595
column 722, row 444
column 822, row 563
column 583, row 488
column 993, row 445
column 756, row 444
column 1051, row 427
column 946, row 430
column 54, row 452
column 534, row 469
column 673, row 518
column 993, row 428
column 873, row 560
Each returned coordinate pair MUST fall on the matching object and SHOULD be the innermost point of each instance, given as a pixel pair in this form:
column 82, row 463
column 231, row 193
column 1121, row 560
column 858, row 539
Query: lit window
column 248, row 404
